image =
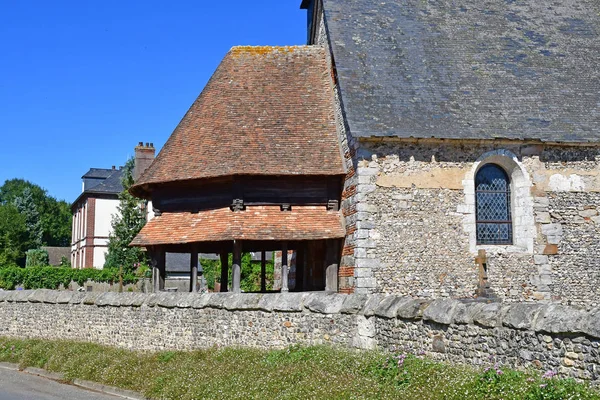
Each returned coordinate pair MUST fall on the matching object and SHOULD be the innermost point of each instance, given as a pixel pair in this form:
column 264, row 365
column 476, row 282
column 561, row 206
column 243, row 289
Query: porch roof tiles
column 264, row 223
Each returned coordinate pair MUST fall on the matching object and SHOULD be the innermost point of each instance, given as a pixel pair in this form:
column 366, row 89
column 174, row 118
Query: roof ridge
column 261, row 50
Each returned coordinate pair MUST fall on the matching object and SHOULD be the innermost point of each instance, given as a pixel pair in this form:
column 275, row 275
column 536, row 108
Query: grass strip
column 294, row 373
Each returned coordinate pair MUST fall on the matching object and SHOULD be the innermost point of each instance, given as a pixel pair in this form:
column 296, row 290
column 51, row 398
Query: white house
column 95, row 206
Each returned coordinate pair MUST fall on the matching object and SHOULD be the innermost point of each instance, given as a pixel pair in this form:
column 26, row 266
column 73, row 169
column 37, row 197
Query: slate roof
column 111, row 185
column 98, row 173
column 265, row 111
column 467, row 69
column 255, row 223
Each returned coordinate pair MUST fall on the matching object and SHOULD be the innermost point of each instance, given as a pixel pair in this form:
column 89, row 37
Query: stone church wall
column 416, row 213
column 547, row 337
column 409, row 212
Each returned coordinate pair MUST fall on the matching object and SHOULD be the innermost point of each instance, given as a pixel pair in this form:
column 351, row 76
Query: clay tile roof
column 255, row 223
column 265, row 111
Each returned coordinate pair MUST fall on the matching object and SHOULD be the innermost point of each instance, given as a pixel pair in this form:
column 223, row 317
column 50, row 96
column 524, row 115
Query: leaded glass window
column 492, row 203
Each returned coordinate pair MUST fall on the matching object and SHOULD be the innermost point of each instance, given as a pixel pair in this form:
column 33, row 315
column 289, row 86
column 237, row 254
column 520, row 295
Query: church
column 421, row 148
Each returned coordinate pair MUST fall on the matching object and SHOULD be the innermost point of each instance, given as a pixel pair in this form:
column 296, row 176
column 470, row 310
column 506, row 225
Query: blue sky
column 82, row 82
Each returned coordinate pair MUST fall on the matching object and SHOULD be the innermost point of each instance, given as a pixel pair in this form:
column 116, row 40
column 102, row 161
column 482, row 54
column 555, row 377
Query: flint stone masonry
column 416, row 222
column 549, row 337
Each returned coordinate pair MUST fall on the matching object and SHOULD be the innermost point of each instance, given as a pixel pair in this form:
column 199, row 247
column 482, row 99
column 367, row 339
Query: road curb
column 11, row 366
column 126, row 394
column 55, row 376
column 97, row 387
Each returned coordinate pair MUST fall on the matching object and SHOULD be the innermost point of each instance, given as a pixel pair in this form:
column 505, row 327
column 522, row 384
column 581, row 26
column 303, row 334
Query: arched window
column 492, row 206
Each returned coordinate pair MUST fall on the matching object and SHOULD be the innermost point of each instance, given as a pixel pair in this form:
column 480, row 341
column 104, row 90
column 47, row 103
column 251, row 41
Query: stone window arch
column 493, row 216
column 519, row 203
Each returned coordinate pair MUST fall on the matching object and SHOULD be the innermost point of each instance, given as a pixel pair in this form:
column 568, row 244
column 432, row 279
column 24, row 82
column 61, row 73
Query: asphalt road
column 15, row 385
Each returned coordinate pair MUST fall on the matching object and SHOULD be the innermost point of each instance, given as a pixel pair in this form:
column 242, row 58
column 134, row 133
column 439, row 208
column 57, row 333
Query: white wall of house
column 78, row 236
column 105, row 209
column 149, row 210
column 99, row 257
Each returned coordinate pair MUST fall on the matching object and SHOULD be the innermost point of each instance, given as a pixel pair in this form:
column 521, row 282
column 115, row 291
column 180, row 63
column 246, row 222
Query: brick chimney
column 144, row 155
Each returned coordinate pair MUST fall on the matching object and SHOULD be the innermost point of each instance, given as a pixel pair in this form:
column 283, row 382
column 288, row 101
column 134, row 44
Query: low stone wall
column 545, row 336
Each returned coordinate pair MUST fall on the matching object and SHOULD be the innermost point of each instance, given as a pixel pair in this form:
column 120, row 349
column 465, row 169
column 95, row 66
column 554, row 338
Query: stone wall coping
column 548, row 318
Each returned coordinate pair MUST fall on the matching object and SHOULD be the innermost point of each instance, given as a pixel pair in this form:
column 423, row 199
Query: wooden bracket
column 333, row 205
column 237, row 205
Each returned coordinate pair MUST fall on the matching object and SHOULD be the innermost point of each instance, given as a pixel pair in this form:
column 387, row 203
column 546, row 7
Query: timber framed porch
column 316, row 263
column 255, row 165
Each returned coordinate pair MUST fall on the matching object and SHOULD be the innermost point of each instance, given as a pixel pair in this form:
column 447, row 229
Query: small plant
column 65, row 262
column 550, row 387
column 37, row 258
column 165, row 356
column 142, row 270
column 392, row 369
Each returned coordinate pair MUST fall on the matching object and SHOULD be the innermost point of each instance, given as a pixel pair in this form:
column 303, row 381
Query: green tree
column 125, row 226
column 13, row 236
column 29, row 210
column 55, row 216
column 56, row 223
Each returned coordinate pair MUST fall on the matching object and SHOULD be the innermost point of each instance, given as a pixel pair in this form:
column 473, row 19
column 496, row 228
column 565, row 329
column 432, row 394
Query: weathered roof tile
column 265, row 111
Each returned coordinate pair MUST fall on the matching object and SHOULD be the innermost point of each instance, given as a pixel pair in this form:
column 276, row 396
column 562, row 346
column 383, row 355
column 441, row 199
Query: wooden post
column 120, row 279
column 237, row 266
column 284, row 268
column 224, row 270
column 152, row 254
column 158, row 268
column 263, row 271
column 481, row 261
column 300, row 275
column 194, row 270
column 331, row 269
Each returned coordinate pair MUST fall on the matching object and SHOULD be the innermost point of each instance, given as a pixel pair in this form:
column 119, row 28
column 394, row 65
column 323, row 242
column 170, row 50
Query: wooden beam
column 284, row 268
column 194, row 270
column 263, row 271
column 224, row 270
column 237, row 266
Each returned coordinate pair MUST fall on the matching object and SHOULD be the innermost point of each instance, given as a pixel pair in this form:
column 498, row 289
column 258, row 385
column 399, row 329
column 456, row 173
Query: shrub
column 37, row 258
column 53, row 277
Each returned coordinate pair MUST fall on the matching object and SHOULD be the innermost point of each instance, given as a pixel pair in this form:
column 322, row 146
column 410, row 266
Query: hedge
column 53, row 277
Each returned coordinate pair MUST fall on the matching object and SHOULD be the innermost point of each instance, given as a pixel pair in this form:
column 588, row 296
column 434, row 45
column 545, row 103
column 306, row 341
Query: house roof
column 95, row 173
column 111, row 185
column 468, row 69
column 265, row 111
column 56, row 254
column 255, row 223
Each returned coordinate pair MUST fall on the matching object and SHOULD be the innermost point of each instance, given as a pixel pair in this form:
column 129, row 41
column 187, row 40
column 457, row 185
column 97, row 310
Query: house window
column 492, row 205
